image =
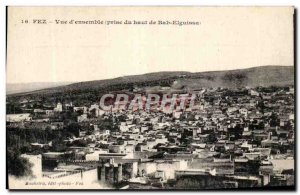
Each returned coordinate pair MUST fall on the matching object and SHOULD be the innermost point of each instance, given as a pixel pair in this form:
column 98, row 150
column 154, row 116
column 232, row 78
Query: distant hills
column 13, row 88
column 251, row 77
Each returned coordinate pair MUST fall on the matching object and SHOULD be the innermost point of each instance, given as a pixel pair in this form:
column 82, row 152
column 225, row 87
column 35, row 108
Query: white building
column 18, row 117
column 58, row 108
column 95, row 155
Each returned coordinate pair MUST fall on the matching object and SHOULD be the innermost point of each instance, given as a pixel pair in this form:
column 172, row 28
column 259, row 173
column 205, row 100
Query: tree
column 73, row 128
column 58, row 145
column 17, row 165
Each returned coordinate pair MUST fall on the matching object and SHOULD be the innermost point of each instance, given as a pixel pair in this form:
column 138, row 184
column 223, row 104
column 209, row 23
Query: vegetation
column 16, row 165
column 85, row 93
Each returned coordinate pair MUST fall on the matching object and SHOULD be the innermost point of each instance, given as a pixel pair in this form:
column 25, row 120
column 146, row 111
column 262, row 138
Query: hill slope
column 12, row 88
column 252, row 77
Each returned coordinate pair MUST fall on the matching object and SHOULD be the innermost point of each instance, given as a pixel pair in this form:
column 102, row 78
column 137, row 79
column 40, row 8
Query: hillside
column 251, row 77
column 13, row 88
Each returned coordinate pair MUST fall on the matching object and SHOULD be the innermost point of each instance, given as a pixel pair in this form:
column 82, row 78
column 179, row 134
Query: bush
column 17, row 165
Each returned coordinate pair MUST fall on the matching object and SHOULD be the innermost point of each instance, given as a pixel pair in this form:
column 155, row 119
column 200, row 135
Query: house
column 252, row 155
column 82, row 118
column 177, row 114
column 39, row 111
column 254, row 93
column 18, row 117
column 167, row 168
column 94, row 110
column 49, row 112
column 94, row 156
column 117, row 149
column 244, row 111
column 58, row 108
column 82, row 109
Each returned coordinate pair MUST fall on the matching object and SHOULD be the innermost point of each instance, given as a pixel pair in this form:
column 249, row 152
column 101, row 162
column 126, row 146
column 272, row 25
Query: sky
column 227, row 38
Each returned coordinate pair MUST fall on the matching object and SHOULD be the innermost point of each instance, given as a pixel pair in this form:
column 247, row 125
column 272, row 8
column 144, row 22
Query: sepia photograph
column 150, row 98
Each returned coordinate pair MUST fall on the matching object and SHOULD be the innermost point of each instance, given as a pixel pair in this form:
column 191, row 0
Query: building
column 18, row 117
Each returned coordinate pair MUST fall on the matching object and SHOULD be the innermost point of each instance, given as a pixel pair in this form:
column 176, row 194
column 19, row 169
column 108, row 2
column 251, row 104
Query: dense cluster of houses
column 228, row 139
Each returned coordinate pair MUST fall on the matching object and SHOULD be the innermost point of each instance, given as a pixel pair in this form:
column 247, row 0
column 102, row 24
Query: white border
column 4, row 3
